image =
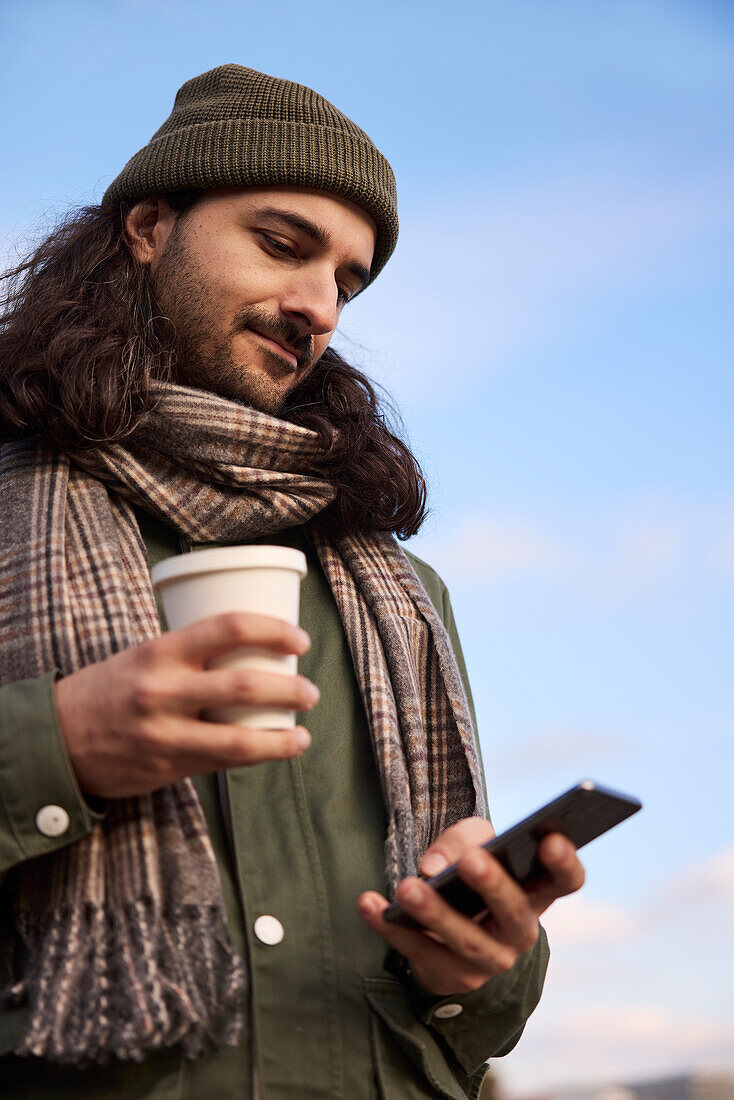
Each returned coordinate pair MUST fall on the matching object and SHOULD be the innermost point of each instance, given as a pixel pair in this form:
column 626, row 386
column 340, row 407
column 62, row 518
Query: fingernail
column 312, row 692
column 302, row 640
column 369, row 905
column 557, row 847
column 303, row 740
column 432, row 863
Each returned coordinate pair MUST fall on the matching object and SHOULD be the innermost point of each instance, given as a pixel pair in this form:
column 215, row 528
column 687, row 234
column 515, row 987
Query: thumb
column 453, row 843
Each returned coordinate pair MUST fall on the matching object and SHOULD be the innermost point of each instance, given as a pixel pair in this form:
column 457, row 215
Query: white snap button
column 269, row 930
column 447, row 1012
column 52, row 820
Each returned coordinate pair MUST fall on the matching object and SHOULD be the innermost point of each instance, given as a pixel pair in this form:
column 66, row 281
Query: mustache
column 279, row 328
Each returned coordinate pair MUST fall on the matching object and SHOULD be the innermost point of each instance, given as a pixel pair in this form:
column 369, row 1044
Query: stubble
column 203, row 355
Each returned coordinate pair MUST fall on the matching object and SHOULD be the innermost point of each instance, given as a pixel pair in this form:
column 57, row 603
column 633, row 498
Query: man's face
column 253, row 282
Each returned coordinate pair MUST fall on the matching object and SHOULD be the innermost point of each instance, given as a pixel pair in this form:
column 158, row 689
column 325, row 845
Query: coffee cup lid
column 220, row 559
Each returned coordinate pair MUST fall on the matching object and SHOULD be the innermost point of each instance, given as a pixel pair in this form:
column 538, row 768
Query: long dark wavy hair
column 79, row 348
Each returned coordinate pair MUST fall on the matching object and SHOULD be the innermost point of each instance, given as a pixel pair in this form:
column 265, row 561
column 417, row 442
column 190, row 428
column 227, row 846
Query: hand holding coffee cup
column 134, row 722
column 261, row 579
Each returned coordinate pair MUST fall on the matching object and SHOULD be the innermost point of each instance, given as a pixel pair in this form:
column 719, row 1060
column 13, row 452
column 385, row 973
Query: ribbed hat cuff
column 211, row 154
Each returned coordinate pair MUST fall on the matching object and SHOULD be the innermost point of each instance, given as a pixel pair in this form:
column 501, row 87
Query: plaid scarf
column 120, row 939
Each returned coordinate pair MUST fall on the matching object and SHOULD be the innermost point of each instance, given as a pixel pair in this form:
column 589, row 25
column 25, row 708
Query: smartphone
column 582, row 814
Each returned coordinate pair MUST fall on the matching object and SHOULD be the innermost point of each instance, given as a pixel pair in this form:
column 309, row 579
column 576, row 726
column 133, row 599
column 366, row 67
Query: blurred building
column 692, row 1086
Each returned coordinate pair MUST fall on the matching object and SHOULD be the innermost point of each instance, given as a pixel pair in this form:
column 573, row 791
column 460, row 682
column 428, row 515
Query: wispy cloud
column 482, row 276
column 562, row 749
column 637, row 546
column 579, row 920
column 722, row 546
column 495, row 547
column 618, row 1043
column 647, row 549
column 704, row 888
column 622, row 1001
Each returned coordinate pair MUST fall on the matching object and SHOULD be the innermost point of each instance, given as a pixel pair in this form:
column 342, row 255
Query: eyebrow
column 315, row 233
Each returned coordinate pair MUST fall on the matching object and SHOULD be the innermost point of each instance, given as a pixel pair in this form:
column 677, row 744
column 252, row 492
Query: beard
column 203, row 356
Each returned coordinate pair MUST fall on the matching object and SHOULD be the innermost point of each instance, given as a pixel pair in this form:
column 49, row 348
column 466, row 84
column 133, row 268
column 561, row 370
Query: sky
column 555, row 330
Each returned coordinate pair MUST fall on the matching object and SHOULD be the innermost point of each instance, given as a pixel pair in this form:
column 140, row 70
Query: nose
column 311, row 302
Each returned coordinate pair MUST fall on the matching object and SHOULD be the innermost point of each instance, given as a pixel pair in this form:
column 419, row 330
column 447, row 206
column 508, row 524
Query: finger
column 467, row 939
column 244, row 687
column 208, row 638
column 426, row 956
column 566, row 872
column 513, row 918
column 453, row 842
column 214, row 746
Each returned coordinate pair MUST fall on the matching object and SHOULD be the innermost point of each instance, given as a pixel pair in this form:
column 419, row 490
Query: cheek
column 232, row 277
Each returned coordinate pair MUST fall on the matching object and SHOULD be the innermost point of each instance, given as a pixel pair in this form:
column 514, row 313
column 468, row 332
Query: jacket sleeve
column 491, row 1019
column 41, row 806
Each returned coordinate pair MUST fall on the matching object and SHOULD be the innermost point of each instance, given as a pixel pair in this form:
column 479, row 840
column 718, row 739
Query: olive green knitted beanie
column 233, row 126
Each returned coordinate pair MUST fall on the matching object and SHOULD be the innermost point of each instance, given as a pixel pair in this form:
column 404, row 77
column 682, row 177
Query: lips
column 276, row 345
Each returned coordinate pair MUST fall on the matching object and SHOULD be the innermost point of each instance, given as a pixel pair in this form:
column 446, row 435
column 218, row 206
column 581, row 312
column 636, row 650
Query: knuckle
column 503, row 961
column 488, row 870
column 245, row 685
column 484, row 871
column 145, row 696
column 237, row 626
column 149, row 738
column 519, row 915
column 473, row 948
column 148, row 655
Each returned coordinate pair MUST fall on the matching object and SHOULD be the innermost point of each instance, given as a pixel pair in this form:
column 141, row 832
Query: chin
column 256, row 395
column 241, row 383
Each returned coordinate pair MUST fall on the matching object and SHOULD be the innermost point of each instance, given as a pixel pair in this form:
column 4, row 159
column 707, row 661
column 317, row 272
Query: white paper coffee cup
column 263, row 579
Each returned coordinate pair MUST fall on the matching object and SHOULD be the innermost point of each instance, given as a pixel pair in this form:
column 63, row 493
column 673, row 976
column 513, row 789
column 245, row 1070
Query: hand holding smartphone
column 582, row 813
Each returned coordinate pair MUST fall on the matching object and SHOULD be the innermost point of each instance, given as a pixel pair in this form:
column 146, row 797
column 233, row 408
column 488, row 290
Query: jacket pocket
column 410, row 1065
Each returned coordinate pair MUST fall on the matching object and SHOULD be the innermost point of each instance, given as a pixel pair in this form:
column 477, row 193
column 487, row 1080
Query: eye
column 342, row 296
column 278, row 246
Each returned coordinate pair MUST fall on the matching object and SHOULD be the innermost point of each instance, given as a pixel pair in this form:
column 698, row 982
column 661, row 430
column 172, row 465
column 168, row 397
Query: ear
column 148, row 226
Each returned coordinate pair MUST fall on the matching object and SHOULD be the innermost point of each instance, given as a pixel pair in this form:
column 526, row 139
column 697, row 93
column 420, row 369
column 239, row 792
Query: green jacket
column 298, row 840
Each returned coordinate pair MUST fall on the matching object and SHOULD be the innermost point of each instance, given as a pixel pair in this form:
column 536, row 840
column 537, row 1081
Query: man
column 191, row 908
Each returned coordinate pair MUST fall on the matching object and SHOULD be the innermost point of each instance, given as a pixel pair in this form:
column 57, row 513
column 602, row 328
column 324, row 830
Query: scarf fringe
column 125, row 984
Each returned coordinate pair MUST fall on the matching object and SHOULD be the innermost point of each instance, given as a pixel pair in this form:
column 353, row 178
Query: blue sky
column 555, row 327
